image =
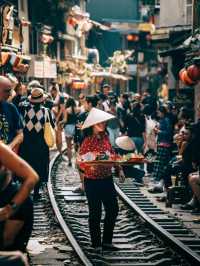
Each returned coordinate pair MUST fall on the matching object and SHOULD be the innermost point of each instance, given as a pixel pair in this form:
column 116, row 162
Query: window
column 189, row 10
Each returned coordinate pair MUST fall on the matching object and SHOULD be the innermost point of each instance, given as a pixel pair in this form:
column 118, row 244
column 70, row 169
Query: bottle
column 173, row 179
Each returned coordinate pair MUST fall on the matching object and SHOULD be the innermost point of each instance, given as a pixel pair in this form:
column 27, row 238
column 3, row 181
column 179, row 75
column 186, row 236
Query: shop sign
column 38, row 69
column 43, row 68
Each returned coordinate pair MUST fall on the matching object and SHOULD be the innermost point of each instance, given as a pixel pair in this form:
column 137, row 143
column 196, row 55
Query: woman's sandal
column 155, row 190
column 161, row 199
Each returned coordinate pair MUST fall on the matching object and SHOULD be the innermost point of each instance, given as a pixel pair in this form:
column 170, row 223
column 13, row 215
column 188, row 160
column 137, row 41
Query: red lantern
column 185, row 78
column 132, row 37
column 5, row 57
column 79, row 85
column 194, row 72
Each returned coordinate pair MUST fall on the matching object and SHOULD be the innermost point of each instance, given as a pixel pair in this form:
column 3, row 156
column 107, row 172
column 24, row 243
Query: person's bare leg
column 11, row 229
column 69, row 149
column 194, row 181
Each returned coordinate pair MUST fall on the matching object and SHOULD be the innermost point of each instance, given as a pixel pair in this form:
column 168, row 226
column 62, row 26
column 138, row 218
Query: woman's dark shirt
column 71, row 118
column 135, row 125
column 166, row 132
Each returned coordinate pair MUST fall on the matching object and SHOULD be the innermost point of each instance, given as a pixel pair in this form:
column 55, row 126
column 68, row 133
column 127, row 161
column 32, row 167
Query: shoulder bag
column 49, row 135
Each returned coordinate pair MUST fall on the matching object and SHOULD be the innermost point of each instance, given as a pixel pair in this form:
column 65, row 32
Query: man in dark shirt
column 10, row 123
column 122, row 110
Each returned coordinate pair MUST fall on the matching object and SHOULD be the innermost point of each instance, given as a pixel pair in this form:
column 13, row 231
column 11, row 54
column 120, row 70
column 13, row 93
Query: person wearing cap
column 11, row 132
column 34, row 84
column 98, row 181
column 126, row 146
column 34, row 149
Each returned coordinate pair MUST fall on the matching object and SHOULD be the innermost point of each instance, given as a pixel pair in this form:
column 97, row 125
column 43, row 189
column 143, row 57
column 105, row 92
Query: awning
column 110, row 75
column 164, row 33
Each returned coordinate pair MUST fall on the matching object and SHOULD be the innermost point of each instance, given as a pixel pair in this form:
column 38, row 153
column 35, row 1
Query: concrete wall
column 172, row 12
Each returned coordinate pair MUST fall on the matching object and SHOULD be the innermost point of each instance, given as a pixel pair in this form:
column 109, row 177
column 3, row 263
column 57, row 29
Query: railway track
column 145, row 234
column 48, row 244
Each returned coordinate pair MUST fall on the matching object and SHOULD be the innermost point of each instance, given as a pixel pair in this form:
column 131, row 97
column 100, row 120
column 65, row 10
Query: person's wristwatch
column 14, row 206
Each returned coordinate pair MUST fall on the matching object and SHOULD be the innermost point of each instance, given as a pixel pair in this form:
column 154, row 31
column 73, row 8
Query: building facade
column 120, row 14
column 174, row 13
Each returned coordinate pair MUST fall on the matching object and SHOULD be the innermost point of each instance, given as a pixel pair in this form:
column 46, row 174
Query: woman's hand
column 156, row 130
column 79, row 125
column 61, row 125
column 6, row 212
column 145, row 146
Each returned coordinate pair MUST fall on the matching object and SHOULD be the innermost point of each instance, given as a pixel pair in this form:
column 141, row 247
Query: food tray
column 112, row 162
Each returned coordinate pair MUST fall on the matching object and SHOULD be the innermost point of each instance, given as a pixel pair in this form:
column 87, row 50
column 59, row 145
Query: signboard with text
column 43, row 68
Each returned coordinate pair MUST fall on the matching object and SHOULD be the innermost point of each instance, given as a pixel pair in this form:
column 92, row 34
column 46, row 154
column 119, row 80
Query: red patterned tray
column 112, row 162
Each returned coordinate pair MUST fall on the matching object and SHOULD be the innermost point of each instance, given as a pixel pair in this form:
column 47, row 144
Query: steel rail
column 188, row 253
column 60, row 219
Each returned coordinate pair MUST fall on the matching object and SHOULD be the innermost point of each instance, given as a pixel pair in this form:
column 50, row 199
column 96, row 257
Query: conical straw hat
column 96, row 116
column 125, row 143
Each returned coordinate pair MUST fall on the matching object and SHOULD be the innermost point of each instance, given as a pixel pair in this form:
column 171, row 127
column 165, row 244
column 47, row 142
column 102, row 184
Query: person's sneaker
column 161, row 199
column 187, row 207
column 79, row 190
column 109, row 247
column 156, row 189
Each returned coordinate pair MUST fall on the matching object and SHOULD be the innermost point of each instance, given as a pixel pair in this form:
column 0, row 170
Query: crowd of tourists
column 164, row 133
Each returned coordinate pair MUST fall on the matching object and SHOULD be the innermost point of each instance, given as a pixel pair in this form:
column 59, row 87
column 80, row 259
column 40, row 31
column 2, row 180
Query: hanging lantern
column 79, row 84
column 194, row 72
column 21, row 64
column 5, row 57
column 185, row 78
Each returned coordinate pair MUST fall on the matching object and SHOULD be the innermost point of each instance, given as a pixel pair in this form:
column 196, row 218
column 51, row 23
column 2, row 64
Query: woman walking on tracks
column 98, row 180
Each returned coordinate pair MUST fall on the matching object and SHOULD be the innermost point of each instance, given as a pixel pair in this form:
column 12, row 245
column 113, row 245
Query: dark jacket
column 165, row 134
